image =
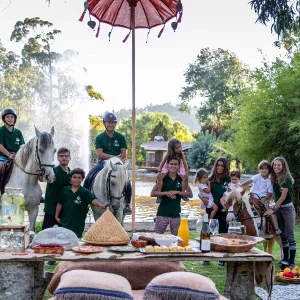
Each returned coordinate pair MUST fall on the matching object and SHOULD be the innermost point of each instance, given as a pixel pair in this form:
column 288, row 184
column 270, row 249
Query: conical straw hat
column 106, row 231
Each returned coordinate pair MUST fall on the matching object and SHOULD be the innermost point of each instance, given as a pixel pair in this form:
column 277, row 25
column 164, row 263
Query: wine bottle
column 205, row 236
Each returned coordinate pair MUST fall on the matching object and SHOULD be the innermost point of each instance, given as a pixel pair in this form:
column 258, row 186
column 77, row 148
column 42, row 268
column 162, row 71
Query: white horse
column 33, row 162
column 108, row 188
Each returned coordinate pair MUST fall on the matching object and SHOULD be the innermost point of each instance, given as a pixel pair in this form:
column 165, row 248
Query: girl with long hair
column 283, row 181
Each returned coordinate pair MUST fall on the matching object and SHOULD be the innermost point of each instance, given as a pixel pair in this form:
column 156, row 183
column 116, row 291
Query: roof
column 163, row 145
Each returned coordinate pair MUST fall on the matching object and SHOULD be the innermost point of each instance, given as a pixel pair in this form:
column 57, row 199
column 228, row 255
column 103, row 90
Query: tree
column 217, row 76
column 201, row 153
column 267, row 122
column 148, row 125
column 56, row 70
column 283, row 14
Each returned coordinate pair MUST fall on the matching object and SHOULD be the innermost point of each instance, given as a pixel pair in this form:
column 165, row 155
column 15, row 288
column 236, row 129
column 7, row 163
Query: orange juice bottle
column 183, row 230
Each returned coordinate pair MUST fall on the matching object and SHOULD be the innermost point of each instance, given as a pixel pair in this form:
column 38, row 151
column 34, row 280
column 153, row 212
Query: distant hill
column 168, row 108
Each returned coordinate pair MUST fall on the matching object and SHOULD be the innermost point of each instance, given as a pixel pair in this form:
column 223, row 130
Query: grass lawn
column 212, row 270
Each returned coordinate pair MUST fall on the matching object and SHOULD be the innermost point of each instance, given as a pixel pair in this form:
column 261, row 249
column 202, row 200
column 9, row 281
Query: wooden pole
column 133, row 157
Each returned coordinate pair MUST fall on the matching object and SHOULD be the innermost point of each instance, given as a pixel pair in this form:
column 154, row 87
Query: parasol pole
column 133, row 4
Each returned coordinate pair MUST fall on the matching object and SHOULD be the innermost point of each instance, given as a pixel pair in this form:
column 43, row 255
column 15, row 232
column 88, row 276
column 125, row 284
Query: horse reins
column 41, row 170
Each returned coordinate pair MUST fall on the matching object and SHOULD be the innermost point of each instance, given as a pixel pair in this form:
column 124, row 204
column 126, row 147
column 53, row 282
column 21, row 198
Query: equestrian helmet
column 8, row 111
column 109, row 116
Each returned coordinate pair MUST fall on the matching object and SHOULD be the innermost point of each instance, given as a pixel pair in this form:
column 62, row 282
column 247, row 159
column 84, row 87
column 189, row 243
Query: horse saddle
column 259, row 210
column 5, row 173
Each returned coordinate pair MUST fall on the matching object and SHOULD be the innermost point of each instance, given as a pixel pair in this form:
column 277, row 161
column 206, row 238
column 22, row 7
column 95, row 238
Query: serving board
column 122, row 249
column 195, row 251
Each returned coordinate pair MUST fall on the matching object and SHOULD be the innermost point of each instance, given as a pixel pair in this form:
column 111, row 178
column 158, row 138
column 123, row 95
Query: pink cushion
column 181, row 285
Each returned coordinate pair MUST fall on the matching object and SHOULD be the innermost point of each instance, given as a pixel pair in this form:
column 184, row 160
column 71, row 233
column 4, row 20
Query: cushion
column 138, row 272
column 91, row 285
column 181, row 285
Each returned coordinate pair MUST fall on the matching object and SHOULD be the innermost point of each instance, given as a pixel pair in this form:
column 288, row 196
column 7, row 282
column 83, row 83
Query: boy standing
column 73, row 204
column 62, row 179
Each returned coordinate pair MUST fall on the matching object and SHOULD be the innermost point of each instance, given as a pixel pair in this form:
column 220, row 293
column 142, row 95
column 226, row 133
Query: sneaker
column 204, row 263
column 127, row 210
column 50, row 263
column 158, row 199
column 185, row 198
column 278, row 231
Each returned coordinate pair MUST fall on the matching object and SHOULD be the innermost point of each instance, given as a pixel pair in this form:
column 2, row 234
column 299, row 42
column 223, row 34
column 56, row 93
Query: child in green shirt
column 73, row 204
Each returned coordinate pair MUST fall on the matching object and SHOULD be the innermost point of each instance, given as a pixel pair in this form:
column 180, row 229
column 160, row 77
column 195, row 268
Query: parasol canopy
column 133, row 14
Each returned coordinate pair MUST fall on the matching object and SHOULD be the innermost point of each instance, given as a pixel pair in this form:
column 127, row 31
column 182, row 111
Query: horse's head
column 113, row 182
column 44, row 154
column 234, row 205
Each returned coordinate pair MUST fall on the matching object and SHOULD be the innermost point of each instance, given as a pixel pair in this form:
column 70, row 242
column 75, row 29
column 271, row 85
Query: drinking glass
column 214, row 226
column 18, row 240
column 5, row 239
column 199, row 224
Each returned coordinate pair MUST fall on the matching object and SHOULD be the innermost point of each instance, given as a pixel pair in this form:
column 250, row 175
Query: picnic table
column 22, row 274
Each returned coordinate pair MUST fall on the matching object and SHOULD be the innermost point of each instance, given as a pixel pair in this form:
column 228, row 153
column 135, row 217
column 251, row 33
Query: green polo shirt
column 112, row 145
column 74, row 208
column 170, row 207
column 11, row 141
column 218, row 188
column 278, row 190
column 54, row 189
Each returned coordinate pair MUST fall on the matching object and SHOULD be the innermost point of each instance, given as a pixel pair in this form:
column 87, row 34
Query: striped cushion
column 91, row 285
column 181, row 285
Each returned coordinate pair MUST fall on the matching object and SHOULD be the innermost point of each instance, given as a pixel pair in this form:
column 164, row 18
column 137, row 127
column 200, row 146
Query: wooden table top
column 253, row 255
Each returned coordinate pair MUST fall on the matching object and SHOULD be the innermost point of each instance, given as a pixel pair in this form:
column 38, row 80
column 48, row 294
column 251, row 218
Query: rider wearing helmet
column 11, row 138
column 108, row 144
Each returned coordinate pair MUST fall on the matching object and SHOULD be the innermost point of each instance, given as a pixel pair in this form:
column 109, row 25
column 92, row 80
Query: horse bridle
column 41, row 170
column 108, row 189
column 238, row 214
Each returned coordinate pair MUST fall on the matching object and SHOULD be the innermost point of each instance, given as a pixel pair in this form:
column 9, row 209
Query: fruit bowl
column 284, row 276
column 139, row 243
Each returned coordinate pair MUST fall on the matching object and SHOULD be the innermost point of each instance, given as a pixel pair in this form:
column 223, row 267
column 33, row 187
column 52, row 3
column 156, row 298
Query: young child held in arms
column 201, row 178
column 262, row 190
column 235, row 176
column 174, row 149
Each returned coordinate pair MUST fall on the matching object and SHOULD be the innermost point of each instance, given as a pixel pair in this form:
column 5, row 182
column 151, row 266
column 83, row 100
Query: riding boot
column 292, row 253
column 286, row 253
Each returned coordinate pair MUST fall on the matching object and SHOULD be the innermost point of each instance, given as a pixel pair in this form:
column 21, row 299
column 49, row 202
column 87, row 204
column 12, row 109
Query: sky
column 161, row 62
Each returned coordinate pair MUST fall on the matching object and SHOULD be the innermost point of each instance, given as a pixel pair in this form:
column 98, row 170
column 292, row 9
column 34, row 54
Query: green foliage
column 267, row 122
column 185, row 118
column 202, row 151
column 217, row 76
column 148, row 125
column 93, row 94
column 283, row 14
column 38, row 226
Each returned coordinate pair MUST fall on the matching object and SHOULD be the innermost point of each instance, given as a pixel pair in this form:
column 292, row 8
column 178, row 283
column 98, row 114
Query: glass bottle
column 12, row 207
column 183, row 230
column 205, row 236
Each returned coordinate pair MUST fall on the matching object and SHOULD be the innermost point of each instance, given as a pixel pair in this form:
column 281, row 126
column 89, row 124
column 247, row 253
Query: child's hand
column 57, row 219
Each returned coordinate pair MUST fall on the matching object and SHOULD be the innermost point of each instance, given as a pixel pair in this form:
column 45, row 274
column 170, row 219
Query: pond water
column 146, row 206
